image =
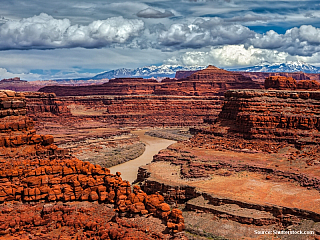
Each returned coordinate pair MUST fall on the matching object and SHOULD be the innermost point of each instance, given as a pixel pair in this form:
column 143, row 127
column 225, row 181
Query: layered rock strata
column 182, row 102
column 17, row 85
column 211, row 81
column 243, row 169
column 284, row 83
column 290, row 116
column 35, row 175
column 125, row 110
column 42, row 103
column 261, row 76
column 17, row 136
column 118, row 86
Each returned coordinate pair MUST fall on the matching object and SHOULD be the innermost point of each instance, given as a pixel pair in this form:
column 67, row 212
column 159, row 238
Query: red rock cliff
column 291, row 116
column 147, row 110
column 288, row 83
column 211, row 81
column 261, row 76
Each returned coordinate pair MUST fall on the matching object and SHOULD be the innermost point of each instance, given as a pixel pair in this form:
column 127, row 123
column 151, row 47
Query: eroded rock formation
column 243, row 169
column 143, row 102
column 285, row 83
column 125, row 110
column 36, row 176
column 211, row 81
column 261, row 76
column 291, row 116
column 118, row 86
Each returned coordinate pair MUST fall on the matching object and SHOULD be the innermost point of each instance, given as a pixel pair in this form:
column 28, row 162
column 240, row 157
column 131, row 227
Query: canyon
column 47, row 193
column 256, row 166
column 137, row 102
column 211, row 81
column 250, row 164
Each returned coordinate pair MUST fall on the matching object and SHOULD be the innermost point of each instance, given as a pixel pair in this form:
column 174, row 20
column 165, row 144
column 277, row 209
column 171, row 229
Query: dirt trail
column 129, row 169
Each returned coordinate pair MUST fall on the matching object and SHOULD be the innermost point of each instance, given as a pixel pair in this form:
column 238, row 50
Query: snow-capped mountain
column 147, row 72
column 281, row 67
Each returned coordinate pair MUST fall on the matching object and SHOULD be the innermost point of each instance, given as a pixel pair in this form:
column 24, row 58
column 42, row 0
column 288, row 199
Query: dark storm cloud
column 152, row 13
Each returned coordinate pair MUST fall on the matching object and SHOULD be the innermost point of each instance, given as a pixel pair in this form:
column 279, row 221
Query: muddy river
column 129, row 169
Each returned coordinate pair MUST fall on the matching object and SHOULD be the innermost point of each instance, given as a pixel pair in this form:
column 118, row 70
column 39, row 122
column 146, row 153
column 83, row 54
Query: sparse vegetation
column 176, row 134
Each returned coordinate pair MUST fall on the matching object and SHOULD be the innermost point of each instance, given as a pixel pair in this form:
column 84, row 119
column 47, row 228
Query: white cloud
column 255, row 18
column 153, row 13
column 230, row 56
column 43, row 31
column 302, row 41
column 202, row 33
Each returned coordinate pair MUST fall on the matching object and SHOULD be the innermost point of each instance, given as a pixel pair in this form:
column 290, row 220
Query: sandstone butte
column 255, row 167
column 45, row 193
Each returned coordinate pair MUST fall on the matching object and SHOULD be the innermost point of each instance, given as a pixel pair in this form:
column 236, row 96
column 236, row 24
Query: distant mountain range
column 163, row 71
column 146, row 72
column 281, row 67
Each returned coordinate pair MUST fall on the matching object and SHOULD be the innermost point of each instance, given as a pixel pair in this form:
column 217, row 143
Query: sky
column 42, row 39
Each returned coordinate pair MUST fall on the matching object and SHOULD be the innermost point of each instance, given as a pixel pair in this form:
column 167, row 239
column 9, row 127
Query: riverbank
column 153, row 145
column 176, row 134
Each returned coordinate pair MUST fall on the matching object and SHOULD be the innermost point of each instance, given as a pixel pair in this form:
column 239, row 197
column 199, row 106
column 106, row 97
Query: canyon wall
column 211, row 81
column 285, row 83
column 36, row 176
column 118, row 86
column 261, row 76
column 144, row 102
column 125, row 110
column 291, row 116
column 244, row 167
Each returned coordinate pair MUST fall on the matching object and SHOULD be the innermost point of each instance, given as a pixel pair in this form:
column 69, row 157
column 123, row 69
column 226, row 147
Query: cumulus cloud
column 44, row 31
column 230, row 56
column 153, row 13
column 302, row 41
column 202, row 33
